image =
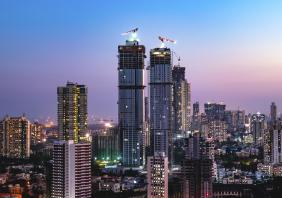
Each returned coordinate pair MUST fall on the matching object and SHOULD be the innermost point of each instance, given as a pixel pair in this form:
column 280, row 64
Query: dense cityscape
column 162, row 146
column 148, row 99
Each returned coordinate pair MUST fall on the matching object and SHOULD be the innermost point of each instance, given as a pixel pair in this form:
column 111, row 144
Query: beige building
column 15, row 137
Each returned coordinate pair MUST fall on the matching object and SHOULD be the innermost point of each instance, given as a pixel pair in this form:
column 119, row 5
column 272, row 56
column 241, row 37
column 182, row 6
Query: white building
column 71, row 170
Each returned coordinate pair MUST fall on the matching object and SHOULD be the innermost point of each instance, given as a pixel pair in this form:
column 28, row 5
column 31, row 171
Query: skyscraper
column 277, row 146
column 196, row 117
column 197, row 169
column 196, row 108
column 157, row 176
column 215, row 111
column 131, row 101
column 161, row 101
column 273, row 112
column 258, row 127
column 72, row 111
column 71, row 177
column 181, row 102
column 37, row 133
column 15, row 137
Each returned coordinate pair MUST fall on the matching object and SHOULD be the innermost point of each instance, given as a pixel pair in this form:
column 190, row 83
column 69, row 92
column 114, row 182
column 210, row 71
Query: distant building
column 131, row 101
column 15, row 137
column 181, row 102
column 277, row 170
column 215, row 111
column 72, row 111
column 105, row 145
column 277, row 146
column 161, row 101
column 258, row 127
column 273, row 112
column 37, row 133
column 218, row 130
column 71, row 174
column 233, row 190
column 196, row 117
column 235, row 120
column 157, row 176
column 197, row 169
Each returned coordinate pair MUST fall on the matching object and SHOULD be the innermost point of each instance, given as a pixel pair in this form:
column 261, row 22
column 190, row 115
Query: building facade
column 71, row 172
column 37, row 133
column 197, row 168
column 181, row 102
column 72, row 111
column 15, row 137
column 105, row 145
column 273, row 112
column 161, row 101
column 157, row 176
column 258, row 127
column 131, row 101
column 215, row 111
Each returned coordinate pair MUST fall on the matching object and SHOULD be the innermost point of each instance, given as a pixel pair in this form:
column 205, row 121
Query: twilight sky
column 232, row 50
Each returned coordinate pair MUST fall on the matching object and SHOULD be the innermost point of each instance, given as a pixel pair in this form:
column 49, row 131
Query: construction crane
column 178, row 59
column 165, row 40
column 130, row 32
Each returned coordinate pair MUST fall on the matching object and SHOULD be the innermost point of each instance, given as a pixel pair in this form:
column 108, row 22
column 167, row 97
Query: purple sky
column 232, row 50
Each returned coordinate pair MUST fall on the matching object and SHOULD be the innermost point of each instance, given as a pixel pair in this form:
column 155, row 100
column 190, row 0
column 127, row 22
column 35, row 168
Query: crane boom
column 164, row 39
column 130, row 31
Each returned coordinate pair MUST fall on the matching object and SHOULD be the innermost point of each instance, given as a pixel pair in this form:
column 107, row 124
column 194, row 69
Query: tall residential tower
column 181, row 102
column 161, row 101
column 15, row 137
column 72, row 111
column 131, row 101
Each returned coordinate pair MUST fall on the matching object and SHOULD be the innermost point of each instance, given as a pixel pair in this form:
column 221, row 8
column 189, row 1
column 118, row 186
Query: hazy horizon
column 231, row 50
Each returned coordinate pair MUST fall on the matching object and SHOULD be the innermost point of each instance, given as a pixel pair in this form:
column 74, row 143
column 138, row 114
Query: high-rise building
column 196, row 108
column 273, row 112
column 258, row 127
column 131, row 101
column 277, row 146
column 197, row 169
column 235, row 120
column 215, row 111
column 71, row 174
column 157, row 176
column 196, row 117
column 37, row 133
column 105, row 145
column 161, row 101
column 146, row 139
column 72, row 111
column 15, row 137
column 197, row 175
column 218, row 130
column 192, row 147
column 181, row 102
